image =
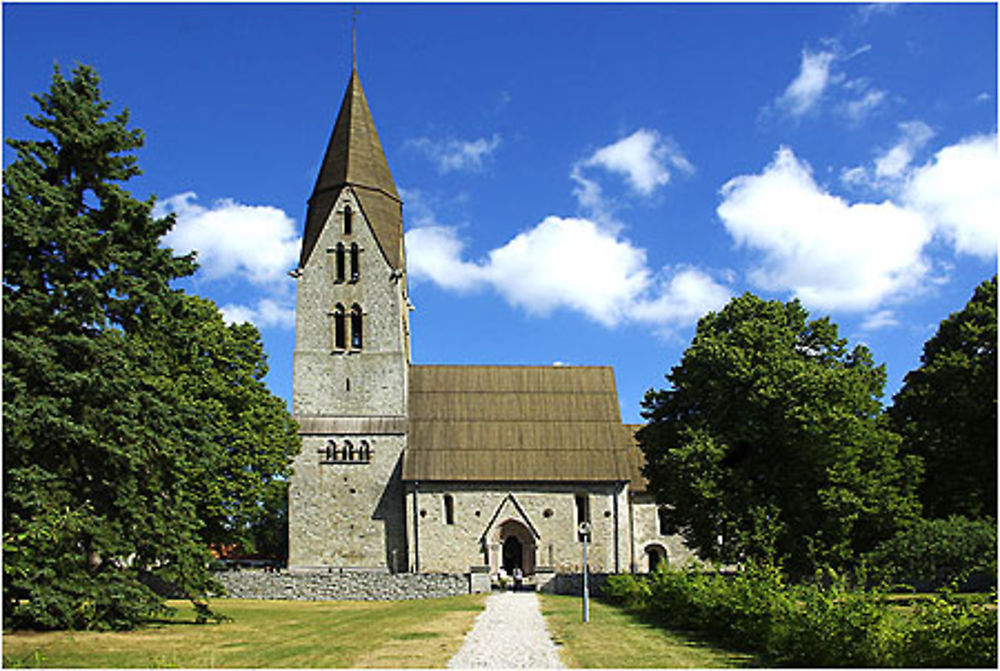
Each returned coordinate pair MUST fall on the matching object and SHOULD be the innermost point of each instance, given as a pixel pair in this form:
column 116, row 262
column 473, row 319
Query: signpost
column 584, row 530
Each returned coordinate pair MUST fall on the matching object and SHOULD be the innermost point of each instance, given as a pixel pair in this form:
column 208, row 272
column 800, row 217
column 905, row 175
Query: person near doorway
column 518, row 577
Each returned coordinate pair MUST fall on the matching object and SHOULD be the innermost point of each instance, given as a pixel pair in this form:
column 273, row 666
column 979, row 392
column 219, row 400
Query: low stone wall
column 346, row 586
column 572, row 584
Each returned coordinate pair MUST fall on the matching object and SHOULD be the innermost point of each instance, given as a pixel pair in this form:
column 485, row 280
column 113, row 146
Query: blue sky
column 581, row 182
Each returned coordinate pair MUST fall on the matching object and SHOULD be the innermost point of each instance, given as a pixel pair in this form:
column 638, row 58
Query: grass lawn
column 614, row 639
column 272, row 634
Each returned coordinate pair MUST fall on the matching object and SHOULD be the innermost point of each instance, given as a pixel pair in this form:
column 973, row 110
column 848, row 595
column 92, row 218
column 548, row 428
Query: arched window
column 357, row 339
column 331, row 450
column 449, row 509
column 339, row 328
column 355, row 265
column 340, row 262
column 364, row 451
column 348, row 220
column 348, row 451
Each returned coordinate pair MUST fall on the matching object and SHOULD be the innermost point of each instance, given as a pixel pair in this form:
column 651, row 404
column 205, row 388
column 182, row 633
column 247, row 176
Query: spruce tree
column 136, row 426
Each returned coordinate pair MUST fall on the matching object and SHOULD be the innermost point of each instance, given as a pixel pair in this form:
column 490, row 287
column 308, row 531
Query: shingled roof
column 515, row 423
column 354, row 157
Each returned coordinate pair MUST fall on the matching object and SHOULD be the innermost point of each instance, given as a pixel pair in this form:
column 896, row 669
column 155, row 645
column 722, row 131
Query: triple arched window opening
column 341, row 256
column 346, row 451
column 348, row 324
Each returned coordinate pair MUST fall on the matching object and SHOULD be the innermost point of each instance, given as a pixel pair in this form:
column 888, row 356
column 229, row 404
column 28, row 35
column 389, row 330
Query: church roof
column 354, row 157
column 515, row 423
column 636, row 459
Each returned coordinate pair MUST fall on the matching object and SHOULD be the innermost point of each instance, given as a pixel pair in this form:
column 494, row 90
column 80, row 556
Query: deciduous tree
column 772, row 441
column 946, row 411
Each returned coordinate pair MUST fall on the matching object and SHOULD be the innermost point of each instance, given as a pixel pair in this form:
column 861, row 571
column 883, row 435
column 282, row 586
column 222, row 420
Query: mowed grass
column 614, row 639
column 268, row 634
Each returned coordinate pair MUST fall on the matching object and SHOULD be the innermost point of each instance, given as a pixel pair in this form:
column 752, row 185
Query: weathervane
column 354, row 36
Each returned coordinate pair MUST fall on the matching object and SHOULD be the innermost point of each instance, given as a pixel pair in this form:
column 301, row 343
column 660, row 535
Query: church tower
column 352, row 356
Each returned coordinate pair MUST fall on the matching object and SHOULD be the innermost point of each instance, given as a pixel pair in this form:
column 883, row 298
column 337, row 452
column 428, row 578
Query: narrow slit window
column 582, row 511
column 340, row 262
column 663, row 521
column 449, row 509
column 339, row 328
column 357, row 337
column 348, row 220
column 355, row 264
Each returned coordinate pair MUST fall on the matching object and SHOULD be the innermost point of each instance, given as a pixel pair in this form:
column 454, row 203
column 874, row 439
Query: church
column 430, row 468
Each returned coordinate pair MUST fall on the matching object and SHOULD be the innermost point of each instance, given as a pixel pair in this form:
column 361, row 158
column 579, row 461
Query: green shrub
column 824, row 623
column 627, row 591
column 930, row 554
column 950, row 633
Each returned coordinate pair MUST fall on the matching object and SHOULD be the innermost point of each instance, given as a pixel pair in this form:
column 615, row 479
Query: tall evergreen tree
column 772, row 440
column 130, row 411
column 946, row 410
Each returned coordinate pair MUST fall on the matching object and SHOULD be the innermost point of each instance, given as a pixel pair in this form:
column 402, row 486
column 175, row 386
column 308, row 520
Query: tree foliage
column 772, row 439
column 136, row 427
column 936, row 553
column 946, row 410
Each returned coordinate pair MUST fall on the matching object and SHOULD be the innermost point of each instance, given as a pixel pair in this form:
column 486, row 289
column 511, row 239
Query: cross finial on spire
column 354, row 37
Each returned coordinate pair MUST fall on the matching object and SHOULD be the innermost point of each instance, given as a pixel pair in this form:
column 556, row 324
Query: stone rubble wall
column 572, row 584
column 337, row 586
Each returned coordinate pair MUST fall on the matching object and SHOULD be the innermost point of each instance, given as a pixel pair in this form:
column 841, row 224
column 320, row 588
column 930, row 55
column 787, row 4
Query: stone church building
column 439, row 469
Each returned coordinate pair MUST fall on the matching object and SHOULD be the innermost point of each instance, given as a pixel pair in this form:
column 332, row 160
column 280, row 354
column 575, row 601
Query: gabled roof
column 515, row 424
column 354, row 157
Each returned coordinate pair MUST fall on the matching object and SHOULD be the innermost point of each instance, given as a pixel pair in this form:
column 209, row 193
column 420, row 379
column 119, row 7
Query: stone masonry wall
column 337, row 586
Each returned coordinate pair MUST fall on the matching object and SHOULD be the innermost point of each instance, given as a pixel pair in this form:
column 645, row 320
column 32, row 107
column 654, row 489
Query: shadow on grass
column 741, row 657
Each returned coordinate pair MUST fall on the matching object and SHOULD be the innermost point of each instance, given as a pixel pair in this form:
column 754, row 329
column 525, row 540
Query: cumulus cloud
column 253, row 242
column 568, row 263
column 838, row 255
column 642, row 158
column 267, row 312
column 805, row 91
column 893, row 163
column 958, row 191
column 832, row 254
column 451, row 155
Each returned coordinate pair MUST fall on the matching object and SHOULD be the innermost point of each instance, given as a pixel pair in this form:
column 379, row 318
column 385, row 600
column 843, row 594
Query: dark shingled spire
column 354, row 158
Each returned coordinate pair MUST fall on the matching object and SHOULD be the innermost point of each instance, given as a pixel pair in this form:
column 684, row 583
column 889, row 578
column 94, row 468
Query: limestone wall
column 349, row 515
column 479, row 509
column 646, row 531
column 340, row 586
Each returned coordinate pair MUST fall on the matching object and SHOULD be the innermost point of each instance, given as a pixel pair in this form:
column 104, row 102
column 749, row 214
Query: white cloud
column 805, row 91
column 256, row 243
column 268, row 312
column 857, row 110
column 959, row 191
column 830, row 253
column 879, row 320
column 568, row 263
column 895, row 161
column 642, row 159
column 453, row 155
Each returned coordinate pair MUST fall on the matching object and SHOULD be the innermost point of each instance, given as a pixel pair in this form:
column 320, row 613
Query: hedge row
column 812, row 625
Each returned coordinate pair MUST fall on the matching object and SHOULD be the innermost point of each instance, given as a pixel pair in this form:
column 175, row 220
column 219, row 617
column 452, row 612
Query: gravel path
column 509, row 634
